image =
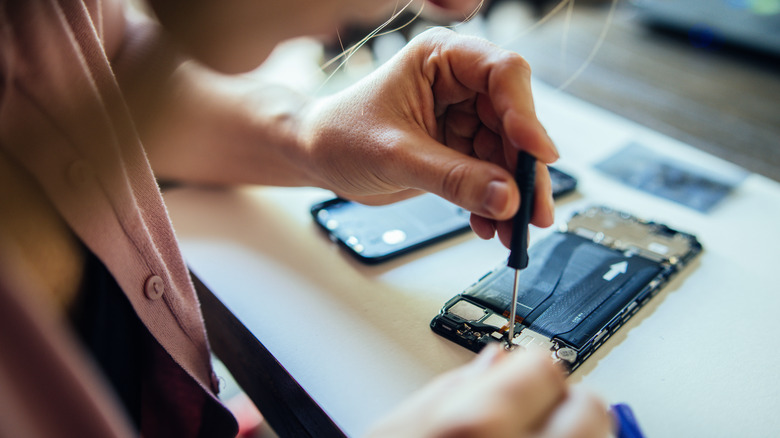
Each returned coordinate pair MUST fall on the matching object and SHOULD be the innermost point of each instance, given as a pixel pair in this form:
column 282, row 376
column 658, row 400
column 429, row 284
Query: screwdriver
column 525, row 176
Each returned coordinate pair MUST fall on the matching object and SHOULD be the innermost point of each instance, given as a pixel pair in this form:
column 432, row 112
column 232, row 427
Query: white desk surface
column 701, row 359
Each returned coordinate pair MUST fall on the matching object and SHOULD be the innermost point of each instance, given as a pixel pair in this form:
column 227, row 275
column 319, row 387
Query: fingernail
column 555, row 150
column 552, row 144
column 496, row 197
column 551, row 204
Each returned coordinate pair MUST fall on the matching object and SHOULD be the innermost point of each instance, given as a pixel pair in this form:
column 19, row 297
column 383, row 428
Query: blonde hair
column 567, row 5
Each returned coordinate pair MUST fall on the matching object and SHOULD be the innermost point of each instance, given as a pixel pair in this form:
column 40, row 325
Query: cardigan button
column 215, row 383
column 154, row 288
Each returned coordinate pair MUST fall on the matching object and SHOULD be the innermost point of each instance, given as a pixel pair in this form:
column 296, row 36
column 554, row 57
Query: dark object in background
column 562, row 182
column 373, row 234
column 693, row 186
column 754, row 24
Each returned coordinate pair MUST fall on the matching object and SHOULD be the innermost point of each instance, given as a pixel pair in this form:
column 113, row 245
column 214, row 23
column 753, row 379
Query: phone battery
column 579, row 287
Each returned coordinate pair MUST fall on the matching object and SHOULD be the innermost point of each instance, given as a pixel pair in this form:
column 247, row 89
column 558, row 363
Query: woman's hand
column 446, row 115
column 499, row 394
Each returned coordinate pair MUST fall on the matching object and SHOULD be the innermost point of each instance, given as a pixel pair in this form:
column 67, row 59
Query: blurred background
column 705, row 72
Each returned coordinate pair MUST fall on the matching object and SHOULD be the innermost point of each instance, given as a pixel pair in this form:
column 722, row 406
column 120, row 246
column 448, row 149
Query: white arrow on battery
column 615, row 270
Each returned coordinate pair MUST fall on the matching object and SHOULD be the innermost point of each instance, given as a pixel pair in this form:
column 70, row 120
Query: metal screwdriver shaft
column 525, row 176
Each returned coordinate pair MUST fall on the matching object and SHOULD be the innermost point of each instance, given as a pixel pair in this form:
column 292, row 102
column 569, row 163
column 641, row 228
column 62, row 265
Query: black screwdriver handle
column 525, row 176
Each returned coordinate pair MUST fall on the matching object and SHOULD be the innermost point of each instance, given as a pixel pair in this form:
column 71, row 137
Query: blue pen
column 626, row 425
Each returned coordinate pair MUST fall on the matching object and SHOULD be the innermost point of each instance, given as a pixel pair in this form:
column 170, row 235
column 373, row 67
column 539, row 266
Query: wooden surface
column 723, row 100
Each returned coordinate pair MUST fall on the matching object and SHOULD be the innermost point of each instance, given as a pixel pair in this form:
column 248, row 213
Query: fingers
column 525, row 132
column 484, row 188
column 539, row 401
column 450, row 124
column 503, row 394
column 499, row 394
column 534, row 386
column 487, row 358
column 544, row 205
column 504, row 232
column 580, row 415
column 501, row 75
column 543, row 212
column 483, row 227
column 483, row 95
column 479, row 186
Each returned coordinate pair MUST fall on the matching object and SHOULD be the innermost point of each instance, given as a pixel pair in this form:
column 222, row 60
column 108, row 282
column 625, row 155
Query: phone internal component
column 579, row 287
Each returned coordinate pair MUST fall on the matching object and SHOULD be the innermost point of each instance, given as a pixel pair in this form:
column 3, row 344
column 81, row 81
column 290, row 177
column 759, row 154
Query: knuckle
column 454, row 180
column 436, row 33
column 430, row 36
column 515, row 62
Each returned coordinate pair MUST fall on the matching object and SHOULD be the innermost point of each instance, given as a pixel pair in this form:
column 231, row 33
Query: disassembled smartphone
column 581, row 285
column 374, row 234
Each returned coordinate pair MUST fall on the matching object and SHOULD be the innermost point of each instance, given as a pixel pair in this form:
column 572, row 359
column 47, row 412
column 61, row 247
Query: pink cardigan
column 64, row 120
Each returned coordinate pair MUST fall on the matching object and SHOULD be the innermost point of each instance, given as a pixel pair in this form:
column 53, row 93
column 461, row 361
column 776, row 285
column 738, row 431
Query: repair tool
column 525, row 175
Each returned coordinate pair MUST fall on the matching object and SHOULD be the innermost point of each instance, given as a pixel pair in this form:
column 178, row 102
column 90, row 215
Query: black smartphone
column 580, row 286
column 374, row 234
column 562, row 182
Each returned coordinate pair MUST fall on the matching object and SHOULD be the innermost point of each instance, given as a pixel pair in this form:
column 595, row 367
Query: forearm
column 204, row 127
column 229, row 130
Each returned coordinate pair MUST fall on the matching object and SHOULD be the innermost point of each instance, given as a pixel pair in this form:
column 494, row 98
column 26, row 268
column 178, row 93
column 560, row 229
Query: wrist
column 283, row 121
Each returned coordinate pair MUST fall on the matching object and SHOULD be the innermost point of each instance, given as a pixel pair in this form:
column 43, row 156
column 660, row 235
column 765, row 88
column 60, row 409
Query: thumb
column 479, row 186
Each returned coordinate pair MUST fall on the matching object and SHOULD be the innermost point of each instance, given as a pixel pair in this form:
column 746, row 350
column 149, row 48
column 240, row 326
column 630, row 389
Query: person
column 100, row 329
